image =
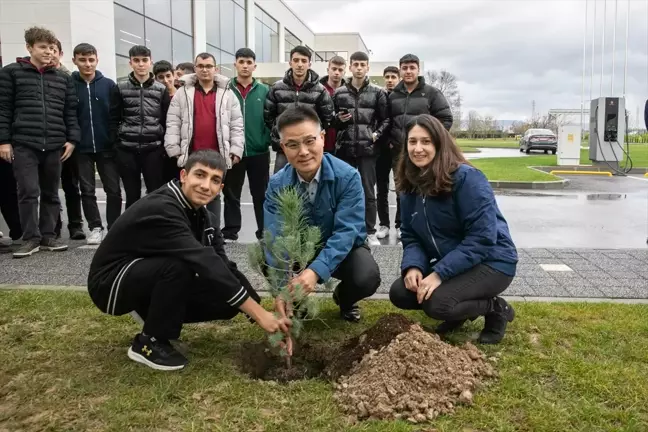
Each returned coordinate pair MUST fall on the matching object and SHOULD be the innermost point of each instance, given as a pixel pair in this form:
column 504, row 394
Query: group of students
column 335, row 140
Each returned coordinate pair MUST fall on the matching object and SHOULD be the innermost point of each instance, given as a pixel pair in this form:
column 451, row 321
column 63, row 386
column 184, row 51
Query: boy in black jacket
column 95, row 149
column 38, row 131
column 164, row 259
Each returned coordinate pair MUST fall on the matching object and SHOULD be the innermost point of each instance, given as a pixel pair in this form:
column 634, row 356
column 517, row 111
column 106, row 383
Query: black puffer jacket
column 138, row 114
column 37, row 108
column 369, row 107
column 425, row 99
column 284, row 94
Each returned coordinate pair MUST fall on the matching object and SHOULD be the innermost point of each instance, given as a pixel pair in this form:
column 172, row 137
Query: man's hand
column 235, row 159
column 307, row 279
column 345, row 117
column 68, row 148
column 413, row 279
column 285, row 311
column 427, row 287
column 6, row 152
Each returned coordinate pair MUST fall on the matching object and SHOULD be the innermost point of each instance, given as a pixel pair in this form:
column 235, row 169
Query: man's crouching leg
column 359, row 277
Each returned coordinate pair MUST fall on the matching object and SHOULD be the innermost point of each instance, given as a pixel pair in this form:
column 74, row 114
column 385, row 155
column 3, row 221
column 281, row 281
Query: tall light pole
column 584, row 55
column 593, row 43
column 616, row 4
column 603, row 46
column 625, row 67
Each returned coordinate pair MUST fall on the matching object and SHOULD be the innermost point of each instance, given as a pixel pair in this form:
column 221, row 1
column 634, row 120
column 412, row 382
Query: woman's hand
column 413, row 279
column 427, row 287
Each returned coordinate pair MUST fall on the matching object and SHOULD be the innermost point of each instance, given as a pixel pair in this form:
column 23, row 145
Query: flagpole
column 616, row 3
column 603, row 46
column 584, row 67
column 593, row 44
column 625, row 67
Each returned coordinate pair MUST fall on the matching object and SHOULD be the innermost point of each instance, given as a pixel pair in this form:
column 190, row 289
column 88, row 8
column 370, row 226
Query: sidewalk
column 546, row 273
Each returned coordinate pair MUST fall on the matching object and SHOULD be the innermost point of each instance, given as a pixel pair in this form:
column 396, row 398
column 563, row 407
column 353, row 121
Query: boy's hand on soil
column 427, row 287
column 413, row 279
column 271, row 324
column 307, row 279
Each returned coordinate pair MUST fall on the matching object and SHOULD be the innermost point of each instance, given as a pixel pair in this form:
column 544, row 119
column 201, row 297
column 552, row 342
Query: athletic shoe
column 372, row 240
column 382, row 232
column 53, row 245
column 77, row 234
column 27, row 249
column 156, row 354
column 95, row 237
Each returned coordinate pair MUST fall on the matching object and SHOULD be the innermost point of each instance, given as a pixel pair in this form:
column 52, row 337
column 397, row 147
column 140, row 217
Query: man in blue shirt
column 334, row 201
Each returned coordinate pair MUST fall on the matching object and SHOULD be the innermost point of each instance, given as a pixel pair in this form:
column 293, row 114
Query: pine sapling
column 280, row 258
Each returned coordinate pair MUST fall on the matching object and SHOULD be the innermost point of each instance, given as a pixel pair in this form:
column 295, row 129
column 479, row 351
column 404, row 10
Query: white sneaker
column 1, row 235
column 372, row 240
column 398, row 232
column 382, row 232
column 95, row 237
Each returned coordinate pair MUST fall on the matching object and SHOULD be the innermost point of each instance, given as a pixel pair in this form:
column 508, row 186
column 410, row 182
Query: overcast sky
column 505, row 53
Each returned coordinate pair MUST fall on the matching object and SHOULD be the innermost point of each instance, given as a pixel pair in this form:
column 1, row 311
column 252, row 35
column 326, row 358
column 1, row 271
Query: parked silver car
column 539, row 139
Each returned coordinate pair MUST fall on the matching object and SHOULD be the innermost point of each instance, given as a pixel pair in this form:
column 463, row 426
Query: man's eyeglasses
column 205, row 66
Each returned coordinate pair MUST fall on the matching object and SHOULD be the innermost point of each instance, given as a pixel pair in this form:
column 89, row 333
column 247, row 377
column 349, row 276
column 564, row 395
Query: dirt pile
column 377, row 336
column 416, row 377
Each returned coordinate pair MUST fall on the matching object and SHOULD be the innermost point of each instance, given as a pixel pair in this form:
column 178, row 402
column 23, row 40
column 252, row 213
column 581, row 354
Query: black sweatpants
column 465, row 296
column 70, row 185
column 359, row 276
column 366, row 165
column 9, row 200
column 38, row 176
column 106, row 165
column 166, row 293
column 385, row 163
column 133, row 164
column 258, row 172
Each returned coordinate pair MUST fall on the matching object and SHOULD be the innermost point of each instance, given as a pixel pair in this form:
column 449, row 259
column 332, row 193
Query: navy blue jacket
column 338, row 210
column 93, row 112
column 452, row 234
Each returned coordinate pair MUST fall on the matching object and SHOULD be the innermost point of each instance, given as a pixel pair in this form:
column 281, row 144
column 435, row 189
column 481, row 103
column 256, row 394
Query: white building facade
column 177, row 30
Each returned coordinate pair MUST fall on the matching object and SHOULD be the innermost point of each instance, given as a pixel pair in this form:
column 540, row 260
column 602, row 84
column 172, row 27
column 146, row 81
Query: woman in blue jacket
column 458, row 255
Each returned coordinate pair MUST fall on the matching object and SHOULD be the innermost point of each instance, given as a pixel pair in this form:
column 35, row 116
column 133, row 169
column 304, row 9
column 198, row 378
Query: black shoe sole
column 77, row 236
column 143, row 360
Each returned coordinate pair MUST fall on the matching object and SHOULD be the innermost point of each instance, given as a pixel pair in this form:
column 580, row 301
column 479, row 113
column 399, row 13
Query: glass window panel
column 270, row 22
column 159, row 10
column 182, row 48
column 258, row 43
column 213, row 23
column 136, row 5
column 215, row 52
column 158, row 39
column 181, row 17
column 240, row 3
column 258, row 13
column 267, row 45
column 129, row 30
column 239, row 28
column 123, row 68
column 274, row 42
column 227, row 25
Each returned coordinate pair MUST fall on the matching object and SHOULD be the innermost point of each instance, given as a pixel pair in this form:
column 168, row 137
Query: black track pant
column 386, row 162
column 9, row 200
column 465, row 296
column 133, row 164
column 166, row 293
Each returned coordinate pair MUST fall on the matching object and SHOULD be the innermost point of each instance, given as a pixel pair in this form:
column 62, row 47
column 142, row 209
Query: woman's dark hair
column 436, row 178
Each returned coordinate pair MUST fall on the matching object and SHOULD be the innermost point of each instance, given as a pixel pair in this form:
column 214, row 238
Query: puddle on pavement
column 605, row 197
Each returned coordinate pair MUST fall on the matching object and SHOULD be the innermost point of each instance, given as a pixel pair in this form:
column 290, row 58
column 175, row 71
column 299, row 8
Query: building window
column 266, row 31
column 328, row 55
column 291, row 42
column 164, row 26
column 227, row 33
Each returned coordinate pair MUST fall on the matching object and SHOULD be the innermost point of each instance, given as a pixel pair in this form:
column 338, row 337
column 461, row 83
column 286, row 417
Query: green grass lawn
column 63, row 366
column 516, row 169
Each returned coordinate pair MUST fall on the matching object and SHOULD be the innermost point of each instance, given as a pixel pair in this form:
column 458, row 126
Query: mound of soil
column 416, row 377
column 259, row 361
column 377, row 336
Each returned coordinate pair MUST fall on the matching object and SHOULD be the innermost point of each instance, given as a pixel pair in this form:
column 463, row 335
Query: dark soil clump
column 374, row 338
column 259, row 361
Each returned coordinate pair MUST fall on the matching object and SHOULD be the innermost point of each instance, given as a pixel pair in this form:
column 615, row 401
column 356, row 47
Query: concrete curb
column 536, row 299
column 577, row 168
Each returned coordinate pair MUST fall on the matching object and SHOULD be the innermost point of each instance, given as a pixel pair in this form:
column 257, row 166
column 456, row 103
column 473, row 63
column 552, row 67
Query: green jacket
column 257, row 135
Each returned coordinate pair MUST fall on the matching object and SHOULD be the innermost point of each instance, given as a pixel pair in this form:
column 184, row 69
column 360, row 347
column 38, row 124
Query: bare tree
column 456, row 116
column 446, row 83
column 474, row 123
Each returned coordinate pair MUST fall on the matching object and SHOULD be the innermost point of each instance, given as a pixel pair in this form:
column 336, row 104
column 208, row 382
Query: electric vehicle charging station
column 607, row 130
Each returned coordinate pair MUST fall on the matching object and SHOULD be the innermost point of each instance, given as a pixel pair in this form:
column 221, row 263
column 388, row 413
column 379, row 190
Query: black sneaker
column 351, row 314
column 156, row 354
column 27, row 249
column 53, row 245
column 497, row 319
column 77, row 234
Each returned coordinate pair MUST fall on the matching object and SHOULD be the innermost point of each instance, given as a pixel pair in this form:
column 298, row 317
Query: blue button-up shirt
column 311, row 187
